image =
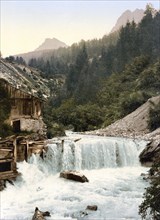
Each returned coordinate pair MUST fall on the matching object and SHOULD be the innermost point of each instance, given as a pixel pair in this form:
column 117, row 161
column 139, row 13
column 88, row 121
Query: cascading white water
column 110, row 164
column 92, row 153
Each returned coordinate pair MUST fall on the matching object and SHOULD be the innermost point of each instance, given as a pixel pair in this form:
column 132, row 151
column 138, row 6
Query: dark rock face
column 150, row 153
column 39, row 215
column 92, row 207
column 2, row 185
column 74, row 175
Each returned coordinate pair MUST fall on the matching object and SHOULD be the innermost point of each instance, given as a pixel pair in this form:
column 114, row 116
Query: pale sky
column 25, row 24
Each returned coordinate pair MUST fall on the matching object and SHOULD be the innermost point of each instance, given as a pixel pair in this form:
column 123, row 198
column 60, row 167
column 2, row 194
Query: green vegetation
column 151, row 204
column 154, row 117
column 105, row 79
column 5, row 107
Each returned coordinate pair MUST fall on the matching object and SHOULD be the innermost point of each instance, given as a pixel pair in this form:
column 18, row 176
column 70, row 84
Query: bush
column 5, row 130
column 55, row 130
column 151, row 204
column 131, row 102
column 154, row 117
column 5, row 108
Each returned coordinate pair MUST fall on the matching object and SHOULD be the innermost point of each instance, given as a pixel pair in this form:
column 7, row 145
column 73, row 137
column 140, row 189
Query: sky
column 25, row 24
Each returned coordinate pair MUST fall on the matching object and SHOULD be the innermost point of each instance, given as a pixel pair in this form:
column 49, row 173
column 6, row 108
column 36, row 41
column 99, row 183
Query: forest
column 105, row 79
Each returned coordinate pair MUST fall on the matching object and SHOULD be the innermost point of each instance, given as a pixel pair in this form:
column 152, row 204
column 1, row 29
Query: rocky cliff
column 128, row 15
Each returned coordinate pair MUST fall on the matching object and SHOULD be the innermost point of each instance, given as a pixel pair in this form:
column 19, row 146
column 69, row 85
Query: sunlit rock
column 150, row 153
column 74, row 175
column 39, row 215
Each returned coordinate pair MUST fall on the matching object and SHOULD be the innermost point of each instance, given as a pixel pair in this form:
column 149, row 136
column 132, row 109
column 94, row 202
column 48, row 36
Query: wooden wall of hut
column 23, row 103
column 8, row 156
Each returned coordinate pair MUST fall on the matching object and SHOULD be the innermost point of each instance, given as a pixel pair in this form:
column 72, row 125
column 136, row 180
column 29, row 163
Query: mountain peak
column 51, row 44
column 128, row 15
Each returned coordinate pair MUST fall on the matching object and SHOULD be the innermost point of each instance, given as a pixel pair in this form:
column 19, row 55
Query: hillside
column 128, row 15
column 24, row 78
column 133, row 125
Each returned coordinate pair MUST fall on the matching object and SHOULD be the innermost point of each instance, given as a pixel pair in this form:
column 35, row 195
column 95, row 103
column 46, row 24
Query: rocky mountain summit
column 47, row 47
column 128, row 15
column 51, row 44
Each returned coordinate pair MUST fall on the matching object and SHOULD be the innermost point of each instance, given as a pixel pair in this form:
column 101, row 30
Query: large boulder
column 74, row 175
column 92, row 207
column 150, row 153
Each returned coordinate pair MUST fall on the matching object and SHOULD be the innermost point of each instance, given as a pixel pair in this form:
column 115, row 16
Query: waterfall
column 110, row 164
column 92, row 153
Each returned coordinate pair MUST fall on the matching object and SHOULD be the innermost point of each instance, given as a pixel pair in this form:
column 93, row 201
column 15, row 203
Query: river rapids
column 111, row 165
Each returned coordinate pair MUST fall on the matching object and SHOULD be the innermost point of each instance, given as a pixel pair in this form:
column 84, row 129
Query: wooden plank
column 27, row 148
column 8, row 175
column 15, row 149
column 5, row 154
column 39, row 147
column 6, row 160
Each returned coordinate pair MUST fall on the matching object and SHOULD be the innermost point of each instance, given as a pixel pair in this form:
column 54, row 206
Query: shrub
column 55, row 130
column 151, row 204
column 154, row 117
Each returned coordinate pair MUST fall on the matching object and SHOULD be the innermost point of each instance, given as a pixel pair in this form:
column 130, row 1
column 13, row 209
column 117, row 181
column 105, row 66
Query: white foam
column 115, row 185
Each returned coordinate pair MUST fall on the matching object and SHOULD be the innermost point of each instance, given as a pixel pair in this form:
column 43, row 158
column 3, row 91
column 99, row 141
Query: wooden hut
column 26, row 110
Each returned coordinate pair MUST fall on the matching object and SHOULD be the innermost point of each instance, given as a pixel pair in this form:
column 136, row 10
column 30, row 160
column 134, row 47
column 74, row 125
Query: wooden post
column 26, row 150
column 14, row 168
column 15, row 150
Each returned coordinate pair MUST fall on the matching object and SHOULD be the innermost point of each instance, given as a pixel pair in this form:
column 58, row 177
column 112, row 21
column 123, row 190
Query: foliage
column 55, row 130
column 151, row 204
column 154, row 117
column 78, row 117
column 5, row 130
column 119, row 100
column 5, row 108
column 18, row 60
column 115, row 74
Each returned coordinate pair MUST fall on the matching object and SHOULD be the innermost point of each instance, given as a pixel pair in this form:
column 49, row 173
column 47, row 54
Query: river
column 110, row 164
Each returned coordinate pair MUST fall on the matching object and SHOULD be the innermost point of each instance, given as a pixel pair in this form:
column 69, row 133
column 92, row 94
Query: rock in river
column 39, row 215
column 74, row 175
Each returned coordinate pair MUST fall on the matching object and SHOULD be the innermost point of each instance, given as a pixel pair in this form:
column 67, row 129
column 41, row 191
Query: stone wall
column 35, row 125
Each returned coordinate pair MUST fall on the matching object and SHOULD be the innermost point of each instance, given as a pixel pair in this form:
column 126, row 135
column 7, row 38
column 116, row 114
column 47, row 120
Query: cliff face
column 136, row 15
